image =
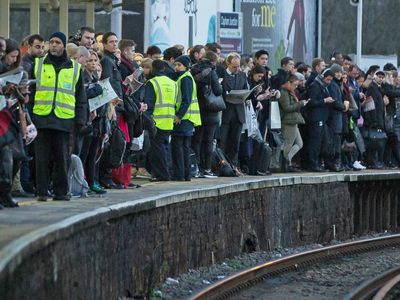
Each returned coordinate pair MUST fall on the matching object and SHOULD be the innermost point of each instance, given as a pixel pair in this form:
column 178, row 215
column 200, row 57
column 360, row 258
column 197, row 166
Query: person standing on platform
column 160, row 96
column 187, row 117
column 233, row 116
column 59, row 103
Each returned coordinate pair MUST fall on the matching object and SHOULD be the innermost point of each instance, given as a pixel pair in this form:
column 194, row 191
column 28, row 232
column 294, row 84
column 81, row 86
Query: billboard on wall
column 282, row 27
column 229, row 31
column 186, row 22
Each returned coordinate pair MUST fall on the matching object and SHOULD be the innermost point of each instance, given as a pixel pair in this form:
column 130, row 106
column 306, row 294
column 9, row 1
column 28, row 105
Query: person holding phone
column 290, row 107
column 318, row 115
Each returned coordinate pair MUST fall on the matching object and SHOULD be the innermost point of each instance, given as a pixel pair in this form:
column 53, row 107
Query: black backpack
column 115, row 151
column 221, row 165
column 260, row 160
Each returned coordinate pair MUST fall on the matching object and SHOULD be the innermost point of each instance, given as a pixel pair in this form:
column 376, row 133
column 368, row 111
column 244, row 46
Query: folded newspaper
column 108, row 95
column 239, row 96
column 133, row 80
column 14, row 76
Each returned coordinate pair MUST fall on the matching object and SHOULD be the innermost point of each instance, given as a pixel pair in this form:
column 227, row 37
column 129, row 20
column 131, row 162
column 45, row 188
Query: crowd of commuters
column 332, row 116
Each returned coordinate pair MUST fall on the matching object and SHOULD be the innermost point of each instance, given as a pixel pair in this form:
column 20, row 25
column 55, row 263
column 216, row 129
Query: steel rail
column 372, row 287
column 233, row 284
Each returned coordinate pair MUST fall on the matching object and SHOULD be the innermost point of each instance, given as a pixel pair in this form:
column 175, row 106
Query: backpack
column 260, row 160
column 78, row 186
column 221, row 165
column 114, row 153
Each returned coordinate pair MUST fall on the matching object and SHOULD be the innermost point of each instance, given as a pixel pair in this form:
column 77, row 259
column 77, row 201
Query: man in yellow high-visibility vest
column 187, row 116
column 59, row 105
column 160, row 96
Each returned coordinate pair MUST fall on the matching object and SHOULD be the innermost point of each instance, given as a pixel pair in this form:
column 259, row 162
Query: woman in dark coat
column 374, row 122
column 205, row 74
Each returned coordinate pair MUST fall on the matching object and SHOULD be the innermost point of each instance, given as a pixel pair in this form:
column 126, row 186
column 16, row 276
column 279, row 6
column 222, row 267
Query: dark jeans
column 375, row 150
column 158, row 155
column 52, row 146
column 180, row 148
column 315, row 137
column 230, row 138
column 203, row 144
column 88, row 156
column 6, row 172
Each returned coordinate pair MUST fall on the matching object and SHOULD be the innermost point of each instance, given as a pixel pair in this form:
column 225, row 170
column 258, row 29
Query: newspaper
column 133, row 80
column 15, row 76
column 108, row 95
column 239, row 96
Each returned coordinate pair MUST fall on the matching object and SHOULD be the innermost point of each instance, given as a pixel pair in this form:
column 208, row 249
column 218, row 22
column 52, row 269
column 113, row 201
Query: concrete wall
column 127, row 250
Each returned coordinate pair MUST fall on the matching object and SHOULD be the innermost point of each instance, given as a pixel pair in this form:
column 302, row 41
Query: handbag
column 375, row 134
column 369, row 105
column 389, row 123
column 275, row 115
column 212, row 102
column 251, row 121
column 131, row 111
column 352, row 103
column 138, row 127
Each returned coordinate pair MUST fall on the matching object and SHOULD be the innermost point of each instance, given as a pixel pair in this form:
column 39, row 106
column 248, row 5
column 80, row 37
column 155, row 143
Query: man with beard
column 59, row 104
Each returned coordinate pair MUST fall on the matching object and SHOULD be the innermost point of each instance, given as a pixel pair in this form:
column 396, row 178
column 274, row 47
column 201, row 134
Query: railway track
column 378, row 287
column 235, row 284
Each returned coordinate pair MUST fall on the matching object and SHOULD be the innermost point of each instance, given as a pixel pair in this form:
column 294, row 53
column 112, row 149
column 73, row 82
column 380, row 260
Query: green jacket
column 290, row 109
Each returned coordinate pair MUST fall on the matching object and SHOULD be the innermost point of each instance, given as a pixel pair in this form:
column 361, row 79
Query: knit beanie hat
column 300, row 76
column 335, row 68
column 59, row 35
column 184, row 60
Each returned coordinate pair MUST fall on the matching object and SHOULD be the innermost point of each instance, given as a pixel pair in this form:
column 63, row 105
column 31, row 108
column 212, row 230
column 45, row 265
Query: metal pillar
column 35, row 16
column 5, row 18
column 319, row 50
column 90, row 6
column 63, row 16
column 116, row 18
column 359, row 31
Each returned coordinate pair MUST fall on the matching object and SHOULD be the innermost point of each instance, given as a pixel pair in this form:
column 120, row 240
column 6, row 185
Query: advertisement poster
column 282, row 27
column 229, row 31
column 186, row 22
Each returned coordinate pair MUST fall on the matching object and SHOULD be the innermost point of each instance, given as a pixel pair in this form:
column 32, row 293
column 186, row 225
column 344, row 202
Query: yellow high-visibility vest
column 55, row 91
column 193, row 112
column 164, row 108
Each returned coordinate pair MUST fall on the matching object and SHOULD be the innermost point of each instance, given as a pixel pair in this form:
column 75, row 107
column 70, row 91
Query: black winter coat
column 335, row 119
column 234, row 82
column 375, row 118
column 204, row 73
column 317, row 109
column 111, row 70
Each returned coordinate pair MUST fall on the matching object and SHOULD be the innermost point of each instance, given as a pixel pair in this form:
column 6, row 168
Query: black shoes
column 292, row 169
column 318, row 169
column 7, row 201
column 62, row 198
column 113, row 186
column 21, row 194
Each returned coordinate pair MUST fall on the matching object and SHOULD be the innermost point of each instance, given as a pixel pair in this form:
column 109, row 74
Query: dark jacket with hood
column 111, row 70
column 375, row 118
column 205, row 74
column 335, row 119
column 51, row 121
column 279, row 79
column 317, row 109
